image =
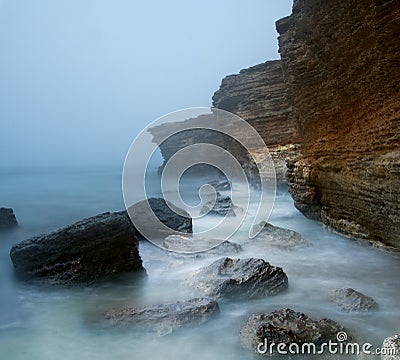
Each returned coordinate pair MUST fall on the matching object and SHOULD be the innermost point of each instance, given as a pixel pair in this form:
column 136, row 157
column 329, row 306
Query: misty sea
column 38, row 322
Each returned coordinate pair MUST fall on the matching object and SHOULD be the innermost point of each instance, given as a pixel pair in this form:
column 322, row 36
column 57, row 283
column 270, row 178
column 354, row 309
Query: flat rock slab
column 272, row 236
column 163, row 319
column 85, row 251
column 352, row 301
column 391, row 346
column 240, row 278
column 7, row 218
column 287, row 326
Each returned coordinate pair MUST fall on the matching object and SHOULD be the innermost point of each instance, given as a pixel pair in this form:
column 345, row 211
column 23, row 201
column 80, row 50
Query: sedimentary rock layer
column 341, row 66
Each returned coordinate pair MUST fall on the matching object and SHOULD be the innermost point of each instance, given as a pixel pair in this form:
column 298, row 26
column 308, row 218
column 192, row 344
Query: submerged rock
column 170, row 215
column 220, row 184
column 240, row 278
column 287, row 326
column 391, row 348
column 276, row 237
column 87, row 250
column 7, row 218
column 190, row 244
column 352, row 301
column 223, row 205
column 165, row 318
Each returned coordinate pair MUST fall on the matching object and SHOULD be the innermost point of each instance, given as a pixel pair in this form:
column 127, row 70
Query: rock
column 188, row 244
column 85, row 251
column 276, row 237
column 347, row 110
column 223, row 206
column 166, row 212
column 287, row 326
column 240, row 278
column 7, row 218
column 258, row 95
column 391, row 348
column 220, row 185
column 163, row 319
column 352, row 301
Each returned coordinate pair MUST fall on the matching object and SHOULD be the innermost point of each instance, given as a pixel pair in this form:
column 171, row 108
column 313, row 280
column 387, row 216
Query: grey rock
column 7, row 218
column 223, row 205
column 85, row 251
column 220, row 184
column 287, row 326
column 352, row 301
column 240, row 278
column 276, row 237
column 391, row 347
column 170, row 215
column 189, row 244
column 163, row 319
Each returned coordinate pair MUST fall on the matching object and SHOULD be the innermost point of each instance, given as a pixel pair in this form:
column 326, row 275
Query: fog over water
column 79, row 79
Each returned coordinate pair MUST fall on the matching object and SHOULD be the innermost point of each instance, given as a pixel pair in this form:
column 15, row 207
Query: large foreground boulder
column 391, row 348
column 168, row 214
column 350, row 300
column 163, row 319
column 87, row 250
column 240, row 278
column 7, row 218
column 288, row 327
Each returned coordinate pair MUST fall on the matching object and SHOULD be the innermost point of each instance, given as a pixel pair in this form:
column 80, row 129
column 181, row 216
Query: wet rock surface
column 352, row 301
column 7, row 218
column 223, row 206
column 190, row 244
column 287, row 326
column 239, row 279
column 391, row 345
column 170, row 215
column 90, row 249
column 163, row 319
column 276, row 237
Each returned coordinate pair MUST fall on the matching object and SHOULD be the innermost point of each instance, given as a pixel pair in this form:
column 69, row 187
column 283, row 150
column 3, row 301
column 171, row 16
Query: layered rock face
column 341, row 66
column 257, row 95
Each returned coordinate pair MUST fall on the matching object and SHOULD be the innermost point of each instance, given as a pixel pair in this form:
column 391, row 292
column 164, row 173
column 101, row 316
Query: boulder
column 223, row 205
column 7, row 218
column 276, row 237
column 391, row 348
column 240, row 278
column 170, row 215
column 352, row 301
column 287, row 326
column 163, row 319
column 87, row 250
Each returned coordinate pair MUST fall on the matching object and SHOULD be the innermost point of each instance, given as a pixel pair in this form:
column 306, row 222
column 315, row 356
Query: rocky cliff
column 258, row 95
column 341, row 66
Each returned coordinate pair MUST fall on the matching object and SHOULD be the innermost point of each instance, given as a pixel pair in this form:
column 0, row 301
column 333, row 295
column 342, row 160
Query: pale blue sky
column 80, row 78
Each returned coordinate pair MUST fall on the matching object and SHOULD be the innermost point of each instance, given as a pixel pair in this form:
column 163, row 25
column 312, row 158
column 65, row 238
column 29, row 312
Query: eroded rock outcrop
column 258, row 95
column 340, row 62
column 85, row 251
